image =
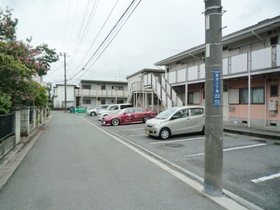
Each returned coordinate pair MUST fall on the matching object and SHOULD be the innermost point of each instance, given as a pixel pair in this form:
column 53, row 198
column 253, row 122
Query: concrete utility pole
column 213, row 169
column 65, row 81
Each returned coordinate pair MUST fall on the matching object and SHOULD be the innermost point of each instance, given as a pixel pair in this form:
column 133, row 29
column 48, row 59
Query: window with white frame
column 257, row 95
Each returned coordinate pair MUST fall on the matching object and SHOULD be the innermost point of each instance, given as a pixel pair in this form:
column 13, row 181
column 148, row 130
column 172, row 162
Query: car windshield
column 165, row 114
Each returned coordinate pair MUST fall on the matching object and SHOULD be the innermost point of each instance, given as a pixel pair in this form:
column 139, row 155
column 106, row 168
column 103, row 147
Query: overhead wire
column 105, row 22
column 107, row 37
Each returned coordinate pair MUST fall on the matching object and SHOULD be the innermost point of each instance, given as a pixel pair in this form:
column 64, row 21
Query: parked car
column 94, row 111
column 176, row 120
column 127, row 116
column 112, row 109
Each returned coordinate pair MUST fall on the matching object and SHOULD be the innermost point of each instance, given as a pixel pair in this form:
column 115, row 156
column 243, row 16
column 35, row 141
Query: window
column 114, row 107
column 196, row 111
column 103, row 101
column 113, row 87
column 86, row 101
column 120, row 101
column 103, row 87
column 273, row 90
column 190, row 98
column 257, row 95
column 87, row 87
column 243, row 96
column 125, row 106
column 185, row 112
column 119, row 87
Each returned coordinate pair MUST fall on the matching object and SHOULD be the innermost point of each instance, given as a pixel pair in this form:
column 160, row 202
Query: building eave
column 146, row 70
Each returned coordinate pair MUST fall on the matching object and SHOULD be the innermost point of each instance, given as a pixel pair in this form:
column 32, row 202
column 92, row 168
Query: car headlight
column 157, row 124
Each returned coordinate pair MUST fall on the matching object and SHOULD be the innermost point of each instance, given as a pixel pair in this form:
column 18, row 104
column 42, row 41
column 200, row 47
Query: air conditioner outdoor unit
column 273, row 105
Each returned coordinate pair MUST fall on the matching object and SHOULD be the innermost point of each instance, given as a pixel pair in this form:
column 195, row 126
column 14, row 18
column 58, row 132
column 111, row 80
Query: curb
column 250, row 133
column 13, row 159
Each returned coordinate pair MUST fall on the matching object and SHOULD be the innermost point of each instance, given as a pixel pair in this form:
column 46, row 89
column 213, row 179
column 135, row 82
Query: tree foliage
column 5, row 103
column 20, row 62
column 7, row 25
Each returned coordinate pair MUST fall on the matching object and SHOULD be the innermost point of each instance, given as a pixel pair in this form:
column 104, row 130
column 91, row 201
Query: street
column 74, row 165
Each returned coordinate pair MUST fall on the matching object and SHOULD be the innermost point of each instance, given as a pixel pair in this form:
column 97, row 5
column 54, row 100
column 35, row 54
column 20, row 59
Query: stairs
column 164, row 91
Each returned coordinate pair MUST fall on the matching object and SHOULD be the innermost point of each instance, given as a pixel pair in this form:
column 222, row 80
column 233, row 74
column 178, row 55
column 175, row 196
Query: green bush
column 5, row 103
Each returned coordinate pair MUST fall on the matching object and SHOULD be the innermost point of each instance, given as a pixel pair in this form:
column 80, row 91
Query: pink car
column 127, row 116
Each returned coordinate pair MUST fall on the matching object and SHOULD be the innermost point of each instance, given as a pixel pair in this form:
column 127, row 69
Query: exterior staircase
column 163, row 89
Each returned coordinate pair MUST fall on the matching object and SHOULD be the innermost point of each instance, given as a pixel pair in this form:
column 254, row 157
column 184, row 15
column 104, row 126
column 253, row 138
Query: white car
column 112, row 109
column 176, row 120
column 94, row 111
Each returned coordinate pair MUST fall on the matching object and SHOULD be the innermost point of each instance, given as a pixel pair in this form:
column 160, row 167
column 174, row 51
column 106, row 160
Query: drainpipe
column 249, row 97
column 265, row 101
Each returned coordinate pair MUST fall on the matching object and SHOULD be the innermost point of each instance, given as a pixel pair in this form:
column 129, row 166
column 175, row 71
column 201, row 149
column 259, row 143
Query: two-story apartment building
column 59, row 96
column 92, row 93
column 251, row 75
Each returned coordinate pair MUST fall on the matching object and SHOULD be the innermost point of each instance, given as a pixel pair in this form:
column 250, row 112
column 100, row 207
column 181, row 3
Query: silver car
column 176, row 120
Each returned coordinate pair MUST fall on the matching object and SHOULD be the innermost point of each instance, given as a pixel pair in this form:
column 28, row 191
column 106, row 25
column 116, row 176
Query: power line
column 107, row 37
column 105, row 22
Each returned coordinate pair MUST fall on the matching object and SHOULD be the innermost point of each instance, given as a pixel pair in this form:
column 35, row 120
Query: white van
column 112, row 109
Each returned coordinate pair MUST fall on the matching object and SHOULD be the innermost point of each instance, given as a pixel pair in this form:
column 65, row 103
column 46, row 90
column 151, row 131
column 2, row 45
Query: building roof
column 146, row 70
column 56, row 85
column 103, row 81
column 260, row 27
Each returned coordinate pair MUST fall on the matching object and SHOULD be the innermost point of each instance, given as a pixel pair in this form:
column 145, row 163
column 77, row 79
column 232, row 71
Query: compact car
column 176, row 120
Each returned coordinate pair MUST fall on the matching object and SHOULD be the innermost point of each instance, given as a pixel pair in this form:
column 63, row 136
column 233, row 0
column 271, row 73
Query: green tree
column 7, row 25
column 19, row 62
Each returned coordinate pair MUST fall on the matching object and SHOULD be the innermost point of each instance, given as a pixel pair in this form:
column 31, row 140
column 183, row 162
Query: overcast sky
column 156, row 30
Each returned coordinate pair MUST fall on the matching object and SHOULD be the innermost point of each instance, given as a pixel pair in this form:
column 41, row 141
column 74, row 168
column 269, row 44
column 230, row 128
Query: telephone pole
column 213, row 169
column 65, row 82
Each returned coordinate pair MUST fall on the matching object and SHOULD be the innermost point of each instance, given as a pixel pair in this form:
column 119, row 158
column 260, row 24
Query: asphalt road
column 76, row 166
column 246, row 159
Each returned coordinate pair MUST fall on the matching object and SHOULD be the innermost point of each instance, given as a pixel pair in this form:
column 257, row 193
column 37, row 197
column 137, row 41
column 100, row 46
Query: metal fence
column 6, row 130
column 6, row 125
column 31, row 114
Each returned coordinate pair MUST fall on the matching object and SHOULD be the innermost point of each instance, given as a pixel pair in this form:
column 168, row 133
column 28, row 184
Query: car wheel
column 146, row 118
column 164, row 133
column 92, row 114
column 115, row 122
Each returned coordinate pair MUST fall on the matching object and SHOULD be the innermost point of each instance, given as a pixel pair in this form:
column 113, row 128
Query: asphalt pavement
column 75, row 165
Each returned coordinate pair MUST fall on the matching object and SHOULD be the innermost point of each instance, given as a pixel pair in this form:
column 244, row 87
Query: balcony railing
column 238, row 64
column 101, row 93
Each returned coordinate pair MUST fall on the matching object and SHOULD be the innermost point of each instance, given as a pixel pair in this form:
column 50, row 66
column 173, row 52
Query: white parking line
column 223, row 200
column 166, row 142
column 230, row 149
column 265, row 178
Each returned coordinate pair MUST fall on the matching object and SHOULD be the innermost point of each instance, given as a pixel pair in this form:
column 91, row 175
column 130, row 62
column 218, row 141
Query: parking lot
column 251, row 167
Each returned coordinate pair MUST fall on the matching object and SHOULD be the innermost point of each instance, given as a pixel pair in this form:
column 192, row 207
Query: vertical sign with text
column 217, row 88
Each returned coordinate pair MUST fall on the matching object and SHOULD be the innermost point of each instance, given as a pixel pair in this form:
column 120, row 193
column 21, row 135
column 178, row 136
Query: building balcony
column 101, row 93
column 261, row 61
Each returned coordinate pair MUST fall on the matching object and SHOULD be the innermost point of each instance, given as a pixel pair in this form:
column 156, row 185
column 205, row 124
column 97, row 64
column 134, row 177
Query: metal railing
column 7, row 129
column 6, row 125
